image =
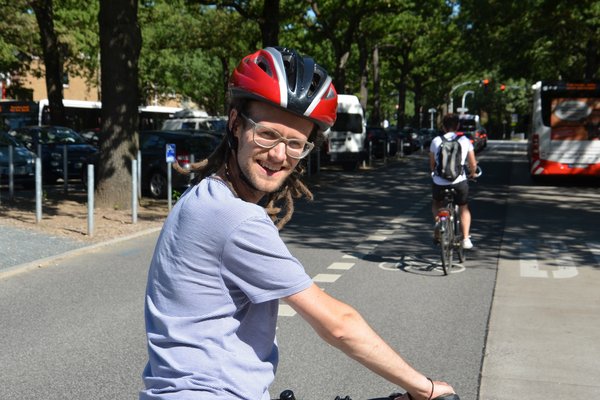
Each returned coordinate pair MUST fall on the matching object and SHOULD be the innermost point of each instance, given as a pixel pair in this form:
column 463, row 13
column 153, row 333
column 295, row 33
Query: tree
column 120, row 44
column 44, row 14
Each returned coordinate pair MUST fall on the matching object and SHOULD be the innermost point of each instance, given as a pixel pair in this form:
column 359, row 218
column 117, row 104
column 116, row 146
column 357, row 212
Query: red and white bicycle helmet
column 288, row 80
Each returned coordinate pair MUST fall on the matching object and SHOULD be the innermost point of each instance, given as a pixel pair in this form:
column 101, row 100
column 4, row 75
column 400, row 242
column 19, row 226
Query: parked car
column 377, row 142
column 408, row 138
column 53, row 140
column 469, row 126
column 154, row 165
column 426, row 135
column 23, row 161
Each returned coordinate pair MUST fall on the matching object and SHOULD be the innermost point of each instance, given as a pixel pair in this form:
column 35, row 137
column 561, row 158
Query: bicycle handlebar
column 289, row 395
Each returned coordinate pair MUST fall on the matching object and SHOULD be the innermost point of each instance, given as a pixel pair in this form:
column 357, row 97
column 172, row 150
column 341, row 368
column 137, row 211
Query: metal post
column 192, row 161
column 401, row 148
column 169, row 184
column 370, row 152
column 139, row 174
column 65, row 169
column 38, row 190
column 134, row 191
column 90, row 196
column 318, row 160
column 11, row 174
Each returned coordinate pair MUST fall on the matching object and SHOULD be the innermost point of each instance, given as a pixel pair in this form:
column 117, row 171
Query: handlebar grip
column 287, row 395
column 452, row 396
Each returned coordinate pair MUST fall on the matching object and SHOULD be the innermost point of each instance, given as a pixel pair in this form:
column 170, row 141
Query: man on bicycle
column 450, row 124
column 220, row 266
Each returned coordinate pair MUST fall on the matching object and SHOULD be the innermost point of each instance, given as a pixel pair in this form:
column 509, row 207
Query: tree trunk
column 120, row 44
column 44, row 15
column 363, row 65
column 376, row 114
column 269, row 25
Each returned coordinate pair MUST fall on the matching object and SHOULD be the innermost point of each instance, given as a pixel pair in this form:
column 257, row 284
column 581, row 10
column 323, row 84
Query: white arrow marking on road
column 528, row 261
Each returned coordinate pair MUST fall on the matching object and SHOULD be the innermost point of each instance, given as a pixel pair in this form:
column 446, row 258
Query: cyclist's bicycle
column 289, row 395
column 448, row 231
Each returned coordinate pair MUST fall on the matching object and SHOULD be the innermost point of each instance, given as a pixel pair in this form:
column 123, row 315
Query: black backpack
column 449, row 159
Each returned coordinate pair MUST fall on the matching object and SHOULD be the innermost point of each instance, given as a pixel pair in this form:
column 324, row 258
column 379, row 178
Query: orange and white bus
column 565, row 129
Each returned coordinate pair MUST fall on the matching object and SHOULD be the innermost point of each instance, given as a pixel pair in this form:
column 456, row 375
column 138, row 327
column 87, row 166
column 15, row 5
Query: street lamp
column 432, row 112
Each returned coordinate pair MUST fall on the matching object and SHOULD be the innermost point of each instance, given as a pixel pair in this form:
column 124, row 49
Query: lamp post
column 431, row 114
column 451, row 107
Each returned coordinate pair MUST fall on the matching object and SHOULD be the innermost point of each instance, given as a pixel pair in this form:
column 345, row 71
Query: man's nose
column 279, row 151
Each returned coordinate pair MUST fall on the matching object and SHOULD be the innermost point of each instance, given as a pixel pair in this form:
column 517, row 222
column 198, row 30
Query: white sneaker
column 467, row 244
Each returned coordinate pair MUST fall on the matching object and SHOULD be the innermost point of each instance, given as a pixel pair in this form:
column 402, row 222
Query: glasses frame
column 308, row 146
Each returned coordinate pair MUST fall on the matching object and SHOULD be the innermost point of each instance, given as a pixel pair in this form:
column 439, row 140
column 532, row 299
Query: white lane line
column 286, row 311
column 365, row 246
column 328, row 278
column 385, row 232
column 341, row 265
column 595, row 249
column 352, row 256
column 376, row 238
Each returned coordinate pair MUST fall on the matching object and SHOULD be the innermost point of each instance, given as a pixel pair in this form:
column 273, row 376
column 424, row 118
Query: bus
column 17, row 113
column 80, row 115
column 565, row 129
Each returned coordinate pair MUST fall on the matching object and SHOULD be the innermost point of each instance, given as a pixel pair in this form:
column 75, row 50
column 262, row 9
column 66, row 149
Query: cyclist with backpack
column 448, row 154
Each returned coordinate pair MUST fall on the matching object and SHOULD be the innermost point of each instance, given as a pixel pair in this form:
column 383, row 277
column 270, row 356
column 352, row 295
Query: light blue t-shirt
column 215, row 280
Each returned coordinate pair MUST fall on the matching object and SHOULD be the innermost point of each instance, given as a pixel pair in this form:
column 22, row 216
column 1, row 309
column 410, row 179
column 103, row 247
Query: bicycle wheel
column 446, row 244
column 457, row 238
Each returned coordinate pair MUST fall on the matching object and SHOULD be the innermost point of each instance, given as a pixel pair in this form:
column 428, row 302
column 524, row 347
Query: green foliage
column 425, row 47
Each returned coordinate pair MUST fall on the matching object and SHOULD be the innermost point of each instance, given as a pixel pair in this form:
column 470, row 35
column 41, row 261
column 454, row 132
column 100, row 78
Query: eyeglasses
column 268, row 138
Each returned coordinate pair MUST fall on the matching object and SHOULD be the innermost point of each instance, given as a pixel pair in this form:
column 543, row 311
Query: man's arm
column 344, row 328
column 431, row 162
column 472, row 164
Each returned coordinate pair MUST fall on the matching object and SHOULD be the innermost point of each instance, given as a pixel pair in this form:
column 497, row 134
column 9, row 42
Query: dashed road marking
column 329, row 278
column 341, row 265
column 376, row 238
column 286, row 311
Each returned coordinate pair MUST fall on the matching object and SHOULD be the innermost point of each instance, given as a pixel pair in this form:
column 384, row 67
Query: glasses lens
column 269, row 138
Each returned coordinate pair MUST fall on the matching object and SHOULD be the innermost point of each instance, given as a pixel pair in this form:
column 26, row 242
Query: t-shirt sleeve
column 257, row 261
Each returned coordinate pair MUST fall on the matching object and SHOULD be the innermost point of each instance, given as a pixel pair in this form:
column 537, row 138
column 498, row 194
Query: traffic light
column 485, row 83
column 503, row 87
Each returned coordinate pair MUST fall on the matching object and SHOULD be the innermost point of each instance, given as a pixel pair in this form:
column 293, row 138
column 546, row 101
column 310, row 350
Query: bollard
column 139, row 174
column 90, row 196
column 38, row 190
column 370, row 152
column 169, row 184
column 192, row 174
column 11, row 174
column 65, row 169
column 319, row 160
column 134, row 191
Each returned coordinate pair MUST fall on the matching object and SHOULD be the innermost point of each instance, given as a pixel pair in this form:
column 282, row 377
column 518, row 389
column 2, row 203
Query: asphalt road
column 74, row 329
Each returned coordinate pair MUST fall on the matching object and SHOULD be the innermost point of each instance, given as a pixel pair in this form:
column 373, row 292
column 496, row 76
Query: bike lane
column 542, row 341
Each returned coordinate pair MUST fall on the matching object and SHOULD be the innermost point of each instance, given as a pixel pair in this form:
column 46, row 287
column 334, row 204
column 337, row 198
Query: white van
column 194, row 120
column 346, row 138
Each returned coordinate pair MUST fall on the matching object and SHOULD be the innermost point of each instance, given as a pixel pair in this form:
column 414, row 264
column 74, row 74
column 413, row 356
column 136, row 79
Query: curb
column 41, row 263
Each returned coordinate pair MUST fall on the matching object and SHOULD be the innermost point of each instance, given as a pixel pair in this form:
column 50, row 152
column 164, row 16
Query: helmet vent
column 315, row 84
column 264, row 65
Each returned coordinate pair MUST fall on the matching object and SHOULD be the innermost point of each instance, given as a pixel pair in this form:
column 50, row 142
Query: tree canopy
column 401, row 57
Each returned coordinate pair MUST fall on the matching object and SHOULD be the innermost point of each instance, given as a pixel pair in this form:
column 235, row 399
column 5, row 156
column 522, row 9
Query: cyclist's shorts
column 461, row 192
